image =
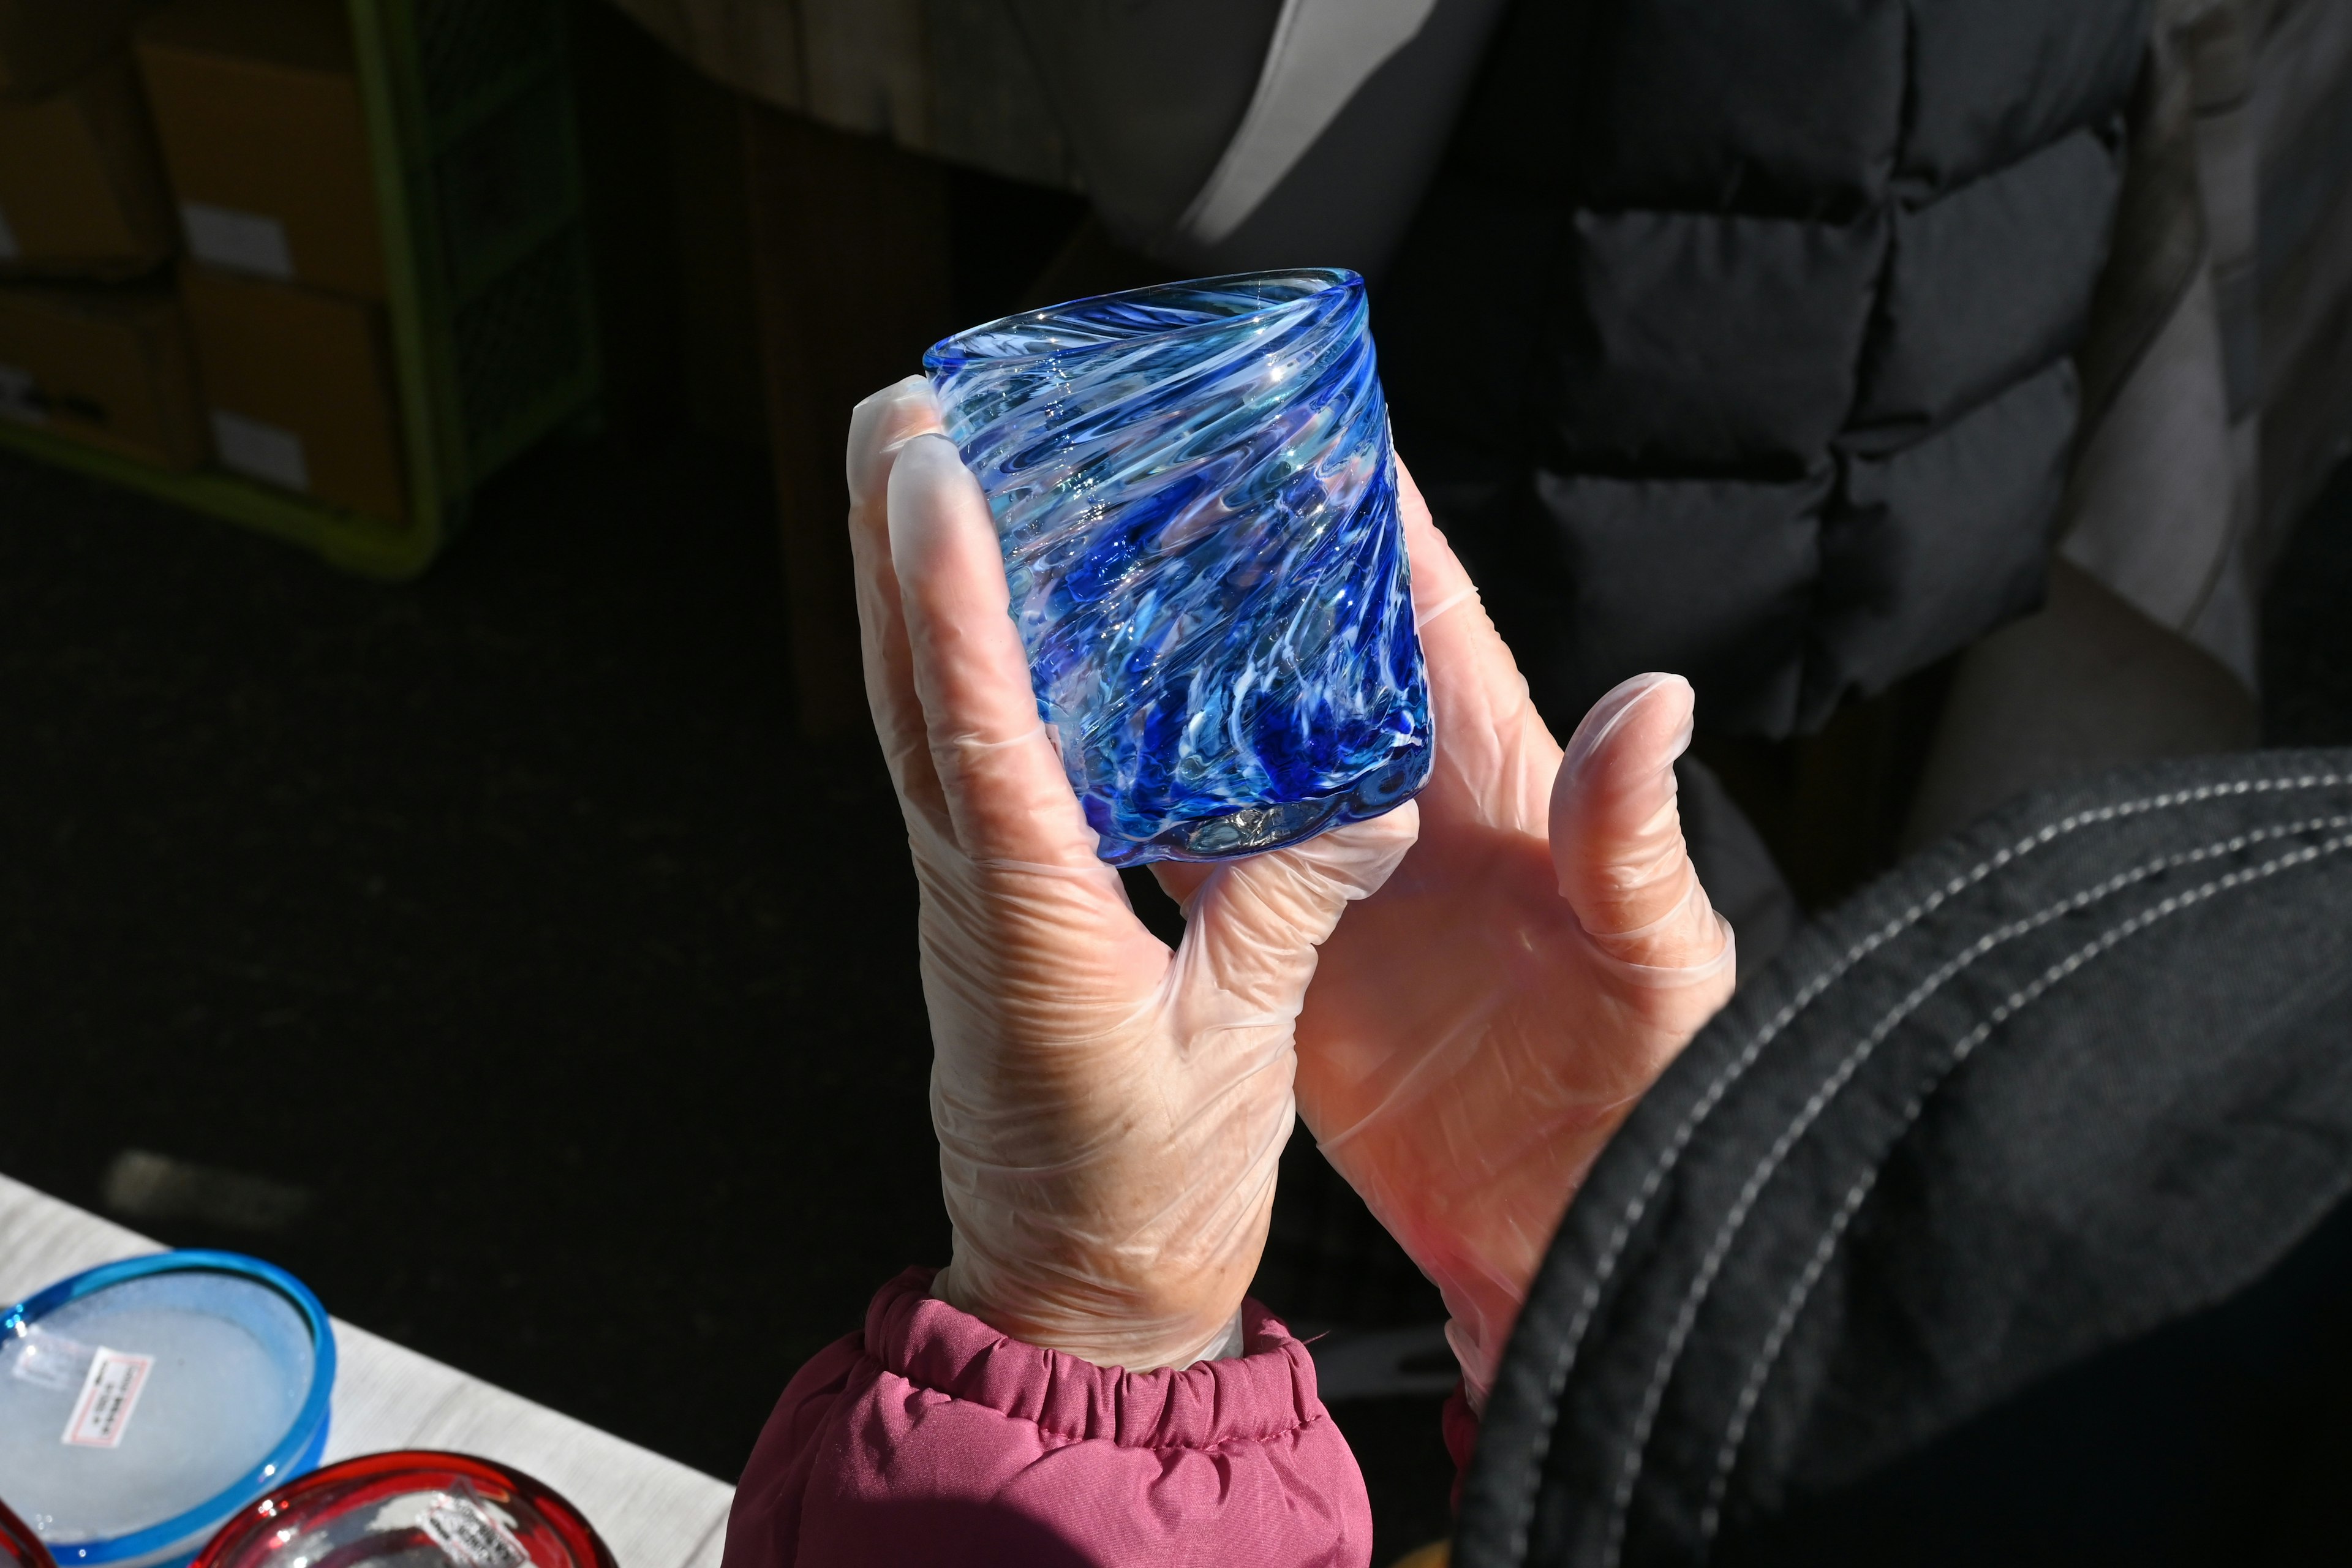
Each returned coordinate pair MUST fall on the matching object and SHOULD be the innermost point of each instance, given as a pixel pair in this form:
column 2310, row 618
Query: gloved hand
column 1109, row 1113
column 1478, row 1029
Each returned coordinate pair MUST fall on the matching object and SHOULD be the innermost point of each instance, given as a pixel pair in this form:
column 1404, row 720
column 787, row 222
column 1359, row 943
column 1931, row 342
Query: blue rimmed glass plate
column 142, row 1403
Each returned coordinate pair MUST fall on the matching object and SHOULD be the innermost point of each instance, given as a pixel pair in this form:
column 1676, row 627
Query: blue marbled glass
column 1194, row 491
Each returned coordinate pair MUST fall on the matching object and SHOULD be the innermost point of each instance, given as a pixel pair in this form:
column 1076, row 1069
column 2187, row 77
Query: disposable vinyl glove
column 1109, row 1113
column 1478, row 1027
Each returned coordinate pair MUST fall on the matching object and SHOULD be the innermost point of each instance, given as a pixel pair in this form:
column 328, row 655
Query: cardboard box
column 81, row 189
column 111, row 366
column 44, row 43
column 258, row 106
column 297, row 387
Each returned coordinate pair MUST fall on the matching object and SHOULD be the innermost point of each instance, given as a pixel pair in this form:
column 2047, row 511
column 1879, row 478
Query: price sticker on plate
column 110, row 1393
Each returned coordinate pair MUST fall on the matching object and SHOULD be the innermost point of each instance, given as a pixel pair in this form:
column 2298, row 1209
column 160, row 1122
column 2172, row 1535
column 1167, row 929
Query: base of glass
column 1255, row 829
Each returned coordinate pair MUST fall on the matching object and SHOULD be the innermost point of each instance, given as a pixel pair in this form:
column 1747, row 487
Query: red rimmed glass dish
column 416, row 1509
column 19, row 1547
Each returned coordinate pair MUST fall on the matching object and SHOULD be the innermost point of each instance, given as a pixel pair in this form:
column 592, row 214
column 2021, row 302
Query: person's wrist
column 1139, row 1331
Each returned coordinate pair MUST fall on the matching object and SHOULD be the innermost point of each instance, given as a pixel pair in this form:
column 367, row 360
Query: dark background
column 505, row 915
column 494, row 951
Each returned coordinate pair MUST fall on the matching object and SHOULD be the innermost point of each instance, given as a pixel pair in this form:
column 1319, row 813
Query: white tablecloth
column 652, row 1511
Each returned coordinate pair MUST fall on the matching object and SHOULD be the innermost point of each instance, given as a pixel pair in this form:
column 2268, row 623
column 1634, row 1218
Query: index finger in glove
column 1007, row 795
column 879, row 427
column 1495, row 756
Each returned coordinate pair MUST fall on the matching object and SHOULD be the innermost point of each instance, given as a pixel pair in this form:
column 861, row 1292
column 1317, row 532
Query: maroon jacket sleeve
column 933, row 1439
column 1459, row 1424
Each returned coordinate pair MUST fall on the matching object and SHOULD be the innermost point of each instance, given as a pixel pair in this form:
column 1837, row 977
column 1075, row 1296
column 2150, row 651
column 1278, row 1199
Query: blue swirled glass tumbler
column 1193, row 489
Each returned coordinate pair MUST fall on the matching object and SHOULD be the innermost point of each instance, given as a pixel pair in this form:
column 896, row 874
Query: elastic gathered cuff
column 1266, row 1391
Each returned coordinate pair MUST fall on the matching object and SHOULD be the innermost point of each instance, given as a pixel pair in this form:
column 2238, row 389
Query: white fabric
column 2166, row 491
column 1322, row 52
column 2185, row 489
column 2168, row 506
column 2154, row 504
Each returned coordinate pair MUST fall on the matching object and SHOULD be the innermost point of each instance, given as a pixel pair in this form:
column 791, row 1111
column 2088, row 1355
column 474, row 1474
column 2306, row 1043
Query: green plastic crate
column 492, row 322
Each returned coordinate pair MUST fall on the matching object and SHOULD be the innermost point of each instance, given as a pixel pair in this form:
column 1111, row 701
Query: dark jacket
column 1733, row 338
column 2002, row 1220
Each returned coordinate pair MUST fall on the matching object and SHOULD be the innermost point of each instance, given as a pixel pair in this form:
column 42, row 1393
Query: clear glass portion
column 408, row 1509
column 432, row 1521
column 233, row 1364
column 1194, row 492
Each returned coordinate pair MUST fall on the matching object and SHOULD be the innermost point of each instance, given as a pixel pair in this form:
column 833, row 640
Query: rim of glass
column 18, row 1542
column 306, row 1435
column 579, row 1536
column 1336, row 280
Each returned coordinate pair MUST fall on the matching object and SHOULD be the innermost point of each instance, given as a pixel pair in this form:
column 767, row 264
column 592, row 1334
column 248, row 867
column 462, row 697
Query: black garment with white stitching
column 2081, row 1073
column 1733, row 338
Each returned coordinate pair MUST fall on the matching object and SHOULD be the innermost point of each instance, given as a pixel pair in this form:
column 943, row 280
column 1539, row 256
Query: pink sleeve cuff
column 933, row 1438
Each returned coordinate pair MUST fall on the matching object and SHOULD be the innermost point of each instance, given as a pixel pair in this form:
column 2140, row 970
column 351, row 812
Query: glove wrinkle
column 1111, row 1113
column 1424, row 619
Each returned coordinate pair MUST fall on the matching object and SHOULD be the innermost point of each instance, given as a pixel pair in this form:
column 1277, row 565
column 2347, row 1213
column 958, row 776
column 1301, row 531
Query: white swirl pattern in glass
column 1197, row 502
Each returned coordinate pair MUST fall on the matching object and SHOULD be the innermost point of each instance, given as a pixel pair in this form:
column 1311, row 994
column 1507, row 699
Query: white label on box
column 20, row 396
column 469, row 1534
column 242, row 242
column 9, row 249
column 109, row 1394
column 264, row 451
